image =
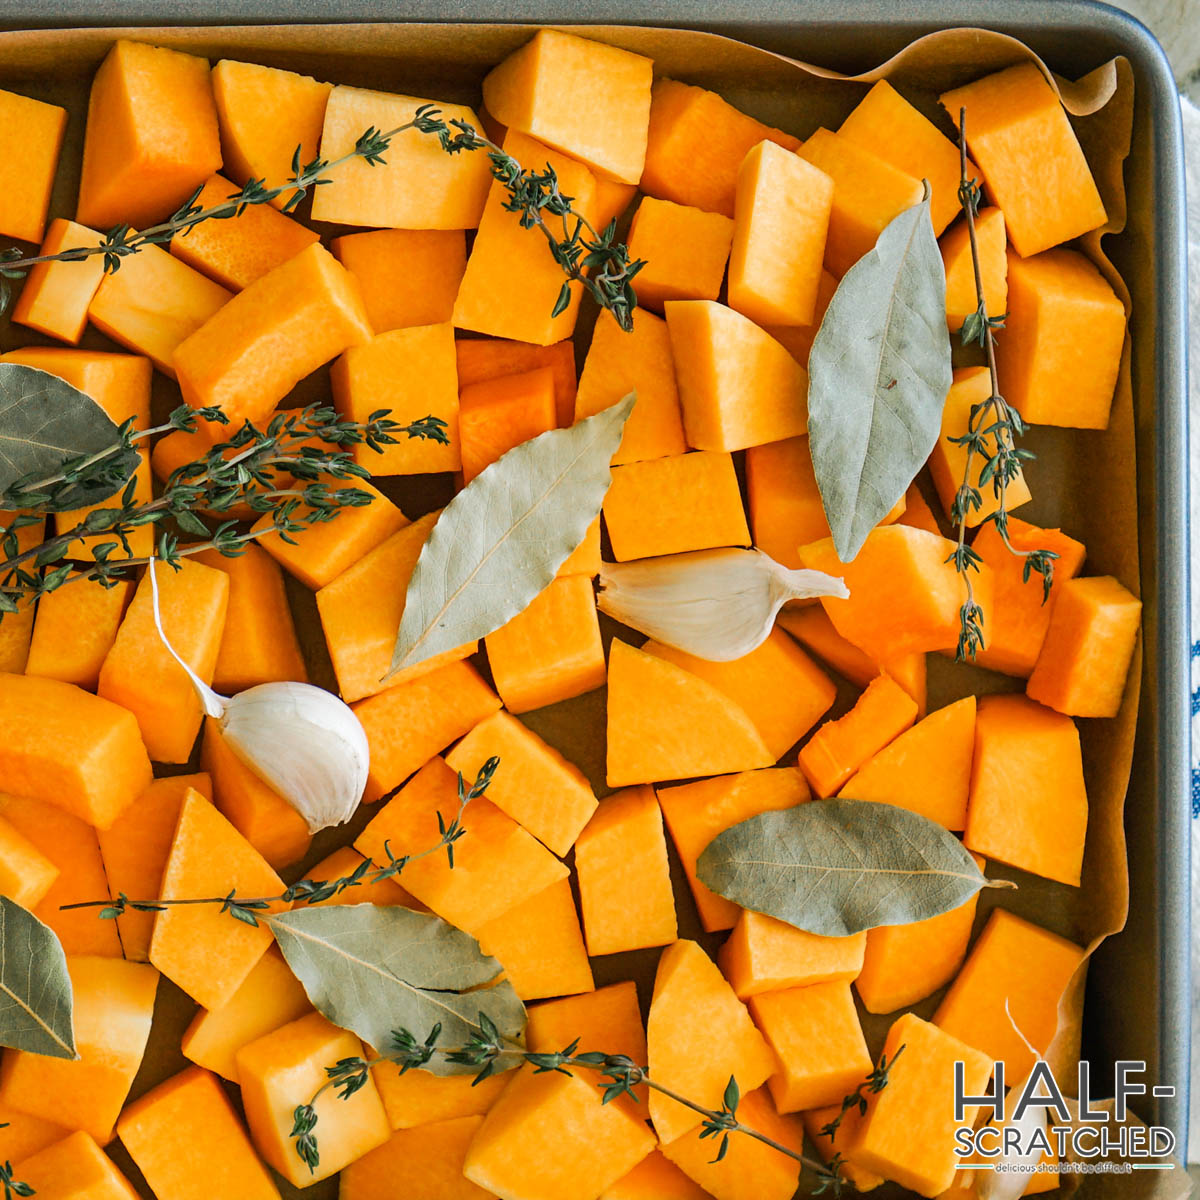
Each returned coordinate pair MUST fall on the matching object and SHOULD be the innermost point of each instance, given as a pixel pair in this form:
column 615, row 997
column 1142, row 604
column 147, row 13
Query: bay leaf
column 837, row 867
column 35, row 989
column 44, row 423
column 371, row 970
column 501, row 540
column 879, row 372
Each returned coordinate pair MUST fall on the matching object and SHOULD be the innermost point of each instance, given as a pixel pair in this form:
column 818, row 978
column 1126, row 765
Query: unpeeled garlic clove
column 715, row 604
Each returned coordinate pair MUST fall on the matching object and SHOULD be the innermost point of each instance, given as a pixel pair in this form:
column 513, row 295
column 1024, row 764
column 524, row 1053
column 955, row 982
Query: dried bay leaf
column 35, row 989
column 501, row 540
column 879, row 372
column 837, row 867
column 372, row 969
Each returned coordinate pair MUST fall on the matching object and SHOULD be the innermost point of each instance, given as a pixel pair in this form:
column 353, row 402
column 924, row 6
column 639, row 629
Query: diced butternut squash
column 1017, row 129
column 697, row 143
column 798, row 339
column 655, row 1178
column 551, row 651
column 113, row 1007
column 419, row 186
column 343, row 862
column 696, row 812
column 1054, row 299
column 1028, row 804
column 640, row 361
column 169, row 1132
column 269, row 997
column 962, row 297
column 830, row 1145
column 135, row 851
column 738, row 386
column 778, row 686
column 537, row 786
column 671, row 505
column 624, row 876
column 585, row 558
column 22, row 1135
column 540, row 945
column 927, row 769
column 152, row 136
column 839, row 748
column 251, row 353
column 29, row 149
column 408, row 277
column 16, row 633
column 69, row 748
column 291, row 1061
column 685, row 251
column 426, row 1162
column 237, row 251
column 55, row 297
column 418, row 1097
column 612, row 199
column 199, row 948
column 408, row 724
column 74, row 630
column 1020, row 964
column 498, row 414
column 698, row 1034
column 497, row 865
column 596, row 1143
column 869, row 193
column 75, row 1167
column 917, row 512
column 817, row 1036
column 666, row 723
column 26, row 874
column 766, row 955
column 781, row 221
column 490, row 358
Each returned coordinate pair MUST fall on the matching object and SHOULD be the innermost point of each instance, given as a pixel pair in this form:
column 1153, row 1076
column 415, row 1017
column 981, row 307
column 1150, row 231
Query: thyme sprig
column 993, row 430
column 874, row 1083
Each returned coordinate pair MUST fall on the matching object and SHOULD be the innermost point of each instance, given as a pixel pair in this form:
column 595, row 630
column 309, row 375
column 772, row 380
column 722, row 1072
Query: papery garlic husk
column 305, row 742
column 716, row 604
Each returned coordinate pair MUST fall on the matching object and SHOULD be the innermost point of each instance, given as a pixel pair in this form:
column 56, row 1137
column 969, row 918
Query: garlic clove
column 715, row 604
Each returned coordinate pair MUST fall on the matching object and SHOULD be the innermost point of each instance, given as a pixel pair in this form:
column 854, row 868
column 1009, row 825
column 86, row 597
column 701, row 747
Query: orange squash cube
column 1016, row 125
column 55, row 297
column 696, row 812
column 165, row 1132
column 798, row 339
column 74, row 1167
column 829, row 1146
column 816, row 1033
column 671, row 505
column 343, row 862
column 655, row 1178
column 408, row 277
column 640, row 361
column 289, row 1063
column 551, row 651
column 624, row 876
column 685, row 251
column 29, row 149
column 766, row 955
column 113, row 1007
column 26, row 874
column 1028, row 804
column 418, row 1097
column 15, row 635
column 426, row 1162
column 22, row 1135
column 738, row 386
column 697, row 143
column 74, row 630
column 781, row 221
column 917, row 512
column 152, row 136
column 962, row 297
column 497, row 415
column 489, row 358
column 536, row 785
column 585, row 558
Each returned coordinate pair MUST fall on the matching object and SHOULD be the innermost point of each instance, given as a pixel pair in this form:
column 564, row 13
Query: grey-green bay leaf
column 501, row 540
column 372, row 969
column 44, row 423
column 35, row 989
column 837, row 867
column 879, row 372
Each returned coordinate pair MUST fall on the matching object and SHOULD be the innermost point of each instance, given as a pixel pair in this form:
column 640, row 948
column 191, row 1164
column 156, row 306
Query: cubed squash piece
column 1028, row 804
column 624, row 876
column 640, row 361
column 55, row 297
column 817, row 1036
column 16, row 633
column 497, row 415
column 671, row 505
column 344, row 861
column 426, row 1162
column 781, row 221
column 655, row 1178
column 738, row 386
column 917, row 512
column 74, row 630
column 408, row 277
column 418, row 1097
column 113, row 1007
column 29, row 149
column 766, row 955
column 962, row 296
column 585, row 558
column 74, row 1168
column 798, row 339
column 26, row 874
column 551, row 651
column 696, row 812
column 1013, row 963
column 489, row 358
column 169, row 1133
column 1017, row 130
column 685, row 251
column 22, row 1136
column 831, row 1145
column 291, row 1062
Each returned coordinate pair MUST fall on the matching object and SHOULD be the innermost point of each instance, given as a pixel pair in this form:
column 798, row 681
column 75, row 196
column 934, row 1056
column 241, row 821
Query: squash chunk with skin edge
column 490, row 358
column 425, row 1162
column 75, row 1167
column 685, row 251
column 74, row 630
column 497, row 415
column 698, row 1035
column 655, row 1178
column 419, row 1097
column 624, row 875
column 961, row 295
column 26, row 874
column 55, row 296
column 199, row 948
